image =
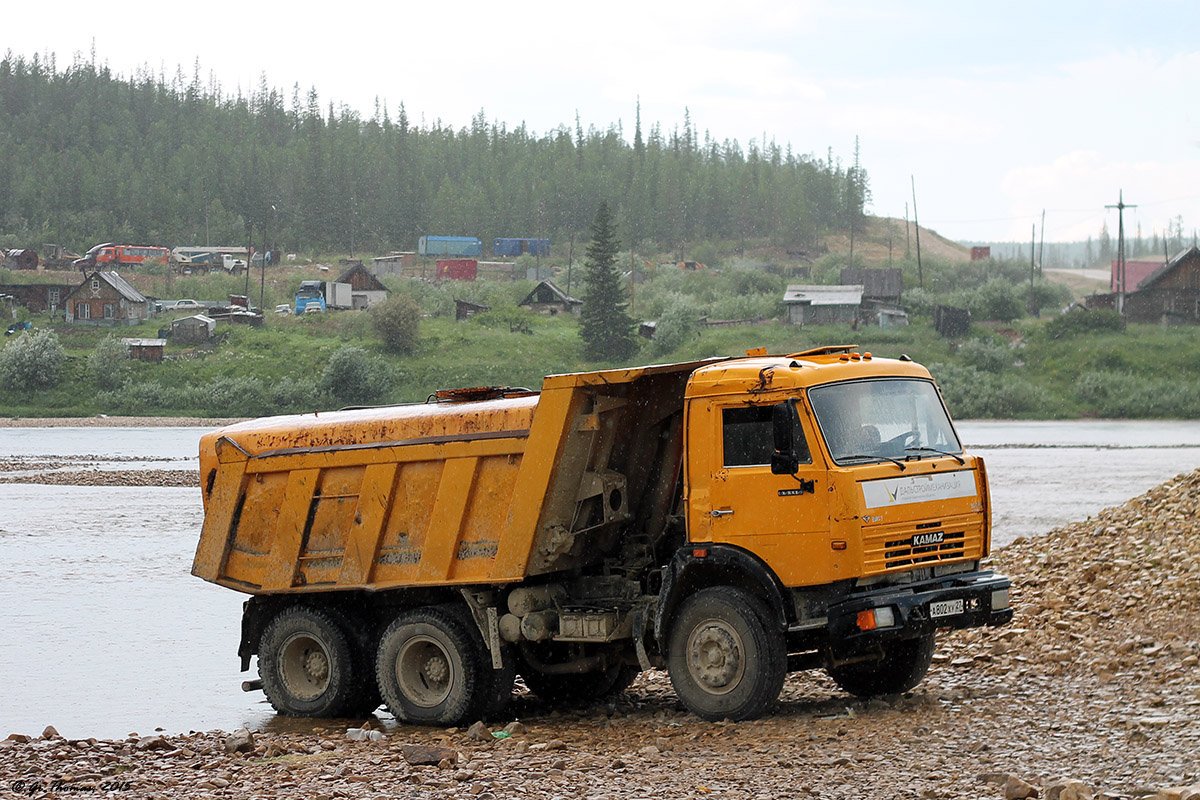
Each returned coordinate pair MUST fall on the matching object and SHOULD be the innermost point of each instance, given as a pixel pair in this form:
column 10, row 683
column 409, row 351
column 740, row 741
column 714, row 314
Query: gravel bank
column 116, row 422
column 1097, row 681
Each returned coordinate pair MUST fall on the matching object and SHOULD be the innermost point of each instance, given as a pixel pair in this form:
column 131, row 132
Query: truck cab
column 309, row 297
column 836, row 483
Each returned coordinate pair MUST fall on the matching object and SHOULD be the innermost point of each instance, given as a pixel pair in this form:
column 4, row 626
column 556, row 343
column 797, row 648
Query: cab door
column 735, row 499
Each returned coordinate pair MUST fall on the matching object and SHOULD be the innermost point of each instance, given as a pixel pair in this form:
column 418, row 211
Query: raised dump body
column 731, row 519
column 455, row 491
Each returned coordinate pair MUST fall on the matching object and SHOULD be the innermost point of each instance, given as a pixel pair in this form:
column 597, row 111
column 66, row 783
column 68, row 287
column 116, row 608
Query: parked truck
column 730, row 519
column 323, row 295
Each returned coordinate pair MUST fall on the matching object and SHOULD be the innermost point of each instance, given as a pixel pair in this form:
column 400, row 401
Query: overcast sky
column 997, row 110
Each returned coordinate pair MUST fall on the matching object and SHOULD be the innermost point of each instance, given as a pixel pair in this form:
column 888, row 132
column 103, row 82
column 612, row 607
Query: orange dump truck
column 729, row 519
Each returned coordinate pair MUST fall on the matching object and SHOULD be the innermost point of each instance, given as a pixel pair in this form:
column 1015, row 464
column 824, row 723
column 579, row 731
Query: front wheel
column 902, row 666
column 725, row 657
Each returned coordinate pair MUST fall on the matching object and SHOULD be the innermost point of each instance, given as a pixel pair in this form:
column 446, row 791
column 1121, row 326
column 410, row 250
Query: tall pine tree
column 607, row 329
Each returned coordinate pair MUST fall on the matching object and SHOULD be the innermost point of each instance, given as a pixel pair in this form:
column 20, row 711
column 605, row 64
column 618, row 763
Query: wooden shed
column 107, row 298
column 145, row 349
column 196, row 328
column 823, row 305
column 465, row 309
column 546, row 298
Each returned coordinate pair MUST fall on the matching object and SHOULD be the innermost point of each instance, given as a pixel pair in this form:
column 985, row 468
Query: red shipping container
column 457, row 269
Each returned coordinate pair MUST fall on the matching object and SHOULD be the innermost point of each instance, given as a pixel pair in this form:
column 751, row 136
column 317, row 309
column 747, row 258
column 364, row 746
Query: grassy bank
column 1030, row 368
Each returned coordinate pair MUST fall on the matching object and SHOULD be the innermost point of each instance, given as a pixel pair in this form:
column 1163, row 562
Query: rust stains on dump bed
column 440, row 493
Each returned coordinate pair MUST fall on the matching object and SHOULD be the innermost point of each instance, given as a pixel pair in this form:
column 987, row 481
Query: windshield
column 883, row 419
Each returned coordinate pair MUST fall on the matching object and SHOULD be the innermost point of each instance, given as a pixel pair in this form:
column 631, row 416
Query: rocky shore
column 105, row 421
column 1092, row 692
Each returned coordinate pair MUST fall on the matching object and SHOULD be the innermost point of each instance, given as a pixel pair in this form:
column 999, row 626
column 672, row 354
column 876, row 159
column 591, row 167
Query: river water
column 107, row 633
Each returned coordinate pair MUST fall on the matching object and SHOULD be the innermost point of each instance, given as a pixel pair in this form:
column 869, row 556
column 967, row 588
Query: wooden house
column 1170, row 295
column 823, row 305
column 38, row 297
column 884, row 285
column 366, row 290
column 546, row 298
column 105, row 298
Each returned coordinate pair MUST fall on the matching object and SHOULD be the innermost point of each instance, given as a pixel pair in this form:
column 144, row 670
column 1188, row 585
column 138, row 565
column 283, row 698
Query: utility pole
column 907, row 243
column 1033, row 309
column 570, row 259
column 917, row 225
column 1042, row 245
column 1120, row 207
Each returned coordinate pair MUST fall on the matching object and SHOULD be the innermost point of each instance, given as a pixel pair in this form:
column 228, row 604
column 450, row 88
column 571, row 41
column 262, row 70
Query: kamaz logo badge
column 921, row 539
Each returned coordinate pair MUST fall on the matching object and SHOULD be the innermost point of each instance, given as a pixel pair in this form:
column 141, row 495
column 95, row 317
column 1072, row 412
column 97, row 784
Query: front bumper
column 913, row 611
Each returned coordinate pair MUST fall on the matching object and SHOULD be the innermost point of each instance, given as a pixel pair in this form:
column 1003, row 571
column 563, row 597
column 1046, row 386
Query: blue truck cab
column 310, row 295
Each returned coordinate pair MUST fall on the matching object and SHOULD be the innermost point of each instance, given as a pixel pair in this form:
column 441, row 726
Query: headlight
column 873, row 618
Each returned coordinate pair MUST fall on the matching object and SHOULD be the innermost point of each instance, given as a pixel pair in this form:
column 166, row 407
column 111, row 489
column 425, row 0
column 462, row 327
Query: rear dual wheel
column 310, row 667
column 433, row 668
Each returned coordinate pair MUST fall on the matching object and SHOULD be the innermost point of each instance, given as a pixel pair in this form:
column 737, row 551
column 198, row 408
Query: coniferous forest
column 91, row 156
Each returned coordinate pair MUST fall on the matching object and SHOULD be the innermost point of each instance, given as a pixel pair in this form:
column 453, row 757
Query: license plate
column 945, row 608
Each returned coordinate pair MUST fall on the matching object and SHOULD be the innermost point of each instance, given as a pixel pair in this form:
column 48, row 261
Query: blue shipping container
column 517, row 247
column 467, row 246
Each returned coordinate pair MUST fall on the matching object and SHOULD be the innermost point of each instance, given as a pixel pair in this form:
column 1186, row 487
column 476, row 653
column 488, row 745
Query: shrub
column 996, row 300
column 516, row 320
column 291, row 395
column 972, row 394
column 109, row 363
column 986, row 355
column 1119, row 395
column 676, row 326
column 33, row 360
column 397, row 322
column 1079, row 321
column 353, row 376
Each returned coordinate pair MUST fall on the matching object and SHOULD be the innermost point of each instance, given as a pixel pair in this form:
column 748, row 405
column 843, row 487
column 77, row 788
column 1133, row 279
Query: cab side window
column 748, row 437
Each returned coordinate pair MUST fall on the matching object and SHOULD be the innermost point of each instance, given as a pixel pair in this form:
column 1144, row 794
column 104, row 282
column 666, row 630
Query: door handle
column 721, row 512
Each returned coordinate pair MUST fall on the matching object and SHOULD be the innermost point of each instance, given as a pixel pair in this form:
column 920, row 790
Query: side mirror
column 785, row 460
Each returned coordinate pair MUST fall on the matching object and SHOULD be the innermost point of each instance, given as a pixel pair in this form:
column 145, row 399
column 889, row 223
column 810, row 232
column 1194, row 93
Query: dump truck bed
column 444, row 493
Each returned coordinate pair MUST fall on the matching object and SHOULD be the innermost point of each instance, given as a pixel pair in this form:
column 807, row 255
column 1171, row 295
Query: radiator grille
column 888, row 548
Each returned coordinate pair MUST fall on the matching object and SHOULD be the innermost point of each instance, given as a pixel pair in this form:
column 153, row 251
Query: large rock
column 1017, row 789
column 240, row 741
column 1068, row 789
column 426, row 755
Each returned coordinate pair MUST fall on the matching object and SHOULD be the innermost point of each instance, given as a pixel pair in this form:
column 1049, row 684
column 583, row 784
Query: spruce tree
column 607, row 329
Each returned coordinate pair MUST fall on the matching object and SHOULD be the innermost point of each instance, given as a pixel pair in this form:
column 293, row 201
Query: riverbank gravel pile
column 92, row 470
column 1092, row 692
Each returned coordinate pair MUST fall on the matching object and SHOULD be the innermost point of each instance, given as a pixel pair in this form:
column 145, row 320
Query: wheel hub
column 436, row 669
column 715, row 656
column 304, row 666
column 316, row 665
column 424, row 672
